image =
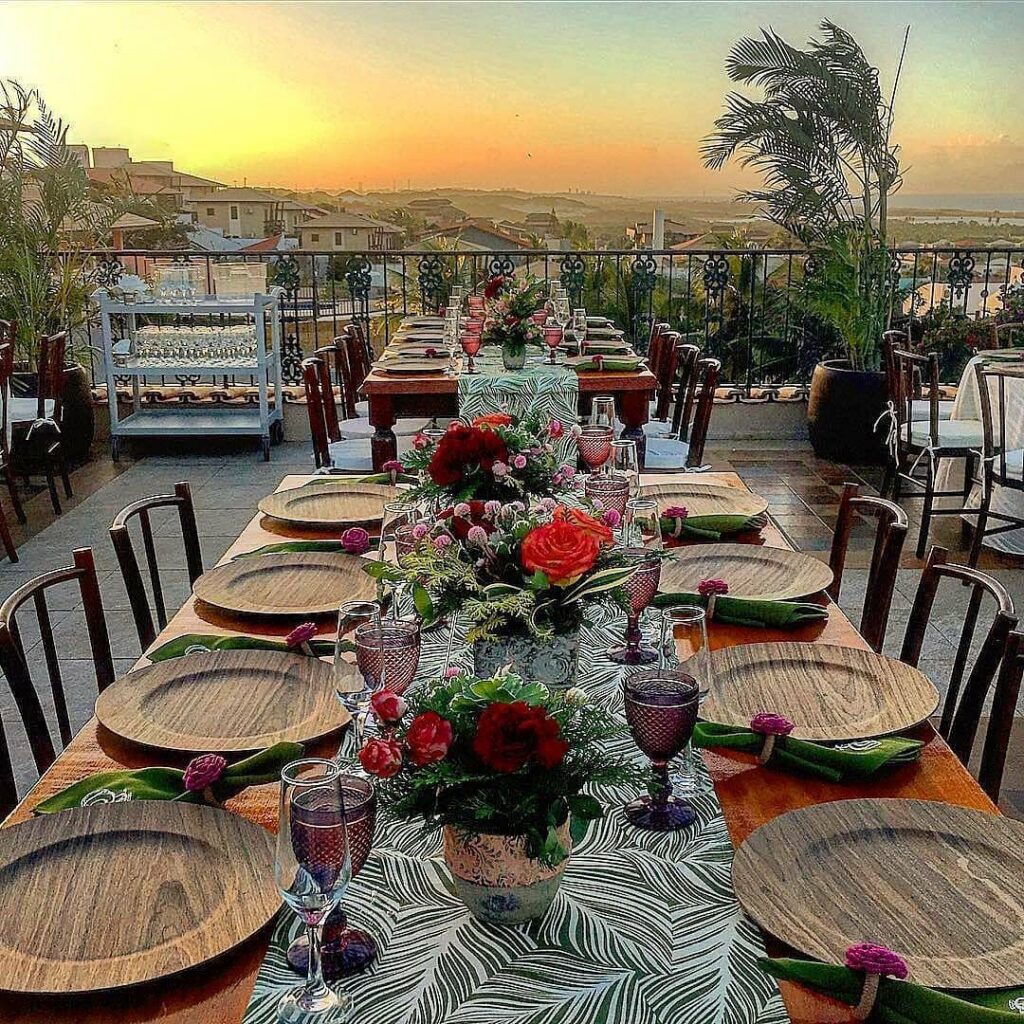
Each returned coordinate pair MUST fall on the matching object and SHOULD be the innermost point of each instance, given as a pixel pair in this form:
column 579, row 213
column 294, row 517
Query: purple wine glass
column 661, row 711
column 388, row 654
column 610, row 489
column 640, row 589
column 346, row 950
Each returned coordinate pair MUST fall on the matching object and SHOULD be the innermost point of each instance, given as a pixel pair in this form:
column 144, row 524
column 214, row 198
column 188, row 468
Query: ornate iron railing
column 742, row 305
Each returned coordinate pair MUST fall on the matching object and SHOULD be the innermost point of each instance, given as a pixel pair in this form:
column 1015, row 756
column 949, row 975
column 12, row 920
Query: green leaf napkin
column 168, row 783
column 740, row 611
column 198, row 643
column 901, row 1002
column 608, row 364
column 302, row 545
column 370, row 478
column 842, row 763
column 710, row 527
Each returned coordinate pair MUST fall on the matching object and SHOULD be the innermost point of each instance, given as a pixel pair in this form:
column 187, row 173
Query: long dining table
column 750, row 795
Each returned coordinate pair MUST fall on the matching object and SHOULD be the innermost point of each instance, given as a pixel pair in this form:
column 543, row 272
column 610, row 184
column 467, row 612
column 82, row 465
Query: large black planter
column 842, row 409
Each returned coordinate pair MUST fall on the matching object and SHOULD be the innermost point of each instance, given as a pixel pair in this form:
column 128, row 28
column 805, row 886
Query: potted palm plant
column 820, row 137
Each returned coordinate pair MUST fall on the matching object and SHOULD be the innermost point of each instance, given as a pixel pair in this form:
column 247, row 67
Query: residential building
column 240, row 212
column 477, row 233
column 348, row 232
column 156, row 180
column 542, row 224
column 437, row 211
column 642, row 233
column 295, row 213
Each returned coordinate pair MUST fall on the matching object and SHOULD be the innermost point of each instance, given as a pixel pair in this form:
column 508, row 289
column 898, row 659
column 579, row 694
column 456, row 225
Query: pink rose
column 872, row 959
column 555, row 429
column 355, row 540
column 712, row 586
column 677, row 512
column 519, row 462
column 381, row 757
column 767, row 723
column 387, row 706
column 428, row 738
column 203, row 771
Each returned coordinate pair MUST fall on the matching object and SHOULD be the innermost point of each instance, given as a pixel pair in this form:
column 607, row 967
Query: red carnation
column 428, row 738
column 465, row 449
column 509, row 735
column 461, row 525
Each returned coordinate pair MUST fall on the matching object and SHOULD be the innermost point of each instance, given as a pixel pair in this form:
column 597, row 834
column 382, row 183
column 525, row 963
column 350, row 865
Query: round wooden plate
column 943, row 886
column 224, row 702
column 117, row 894
column 413, row 366
column 706, row 499
column 828, row 692
column 286, row 584
column 328, row 504
column 768, row 574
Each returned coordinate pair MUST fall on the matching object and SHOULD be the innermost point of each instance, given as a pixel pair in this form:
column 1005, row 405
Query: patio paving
column 228, row 479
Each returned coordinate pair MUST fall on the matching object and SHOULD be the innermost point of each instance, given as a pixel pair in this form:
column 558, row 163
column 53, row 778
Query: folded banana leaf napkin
column 902, row 1002
column 840, row 763
column 740, row 611
column 308, row 545
column 202, row 643
column 710, row 527
column 608, row 364
column 207, row 779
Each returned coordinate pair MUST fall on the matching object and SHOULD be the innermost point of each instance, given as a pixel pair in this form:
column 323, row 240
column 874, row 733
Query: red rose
column 493, row 419
column 562, row 551
column 493, row 286
column 585, row 522
column 509, row 735
column 381, row 757
column 428, row 738
column 461, row 525
column 465, row 449
column 387, row 706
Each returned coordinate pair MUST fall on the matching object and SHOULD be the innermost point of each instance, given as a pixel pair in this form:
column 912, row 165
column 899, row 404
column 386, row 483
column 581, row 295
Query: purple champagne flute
column 661, row 711
column 346, row 950
column 312, row 868
column 640, row 589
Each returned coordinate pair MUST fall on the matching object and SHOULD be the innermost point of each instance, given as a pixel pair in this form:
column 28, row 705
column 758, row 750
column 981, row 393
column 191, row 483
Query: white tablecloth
column 950, row 476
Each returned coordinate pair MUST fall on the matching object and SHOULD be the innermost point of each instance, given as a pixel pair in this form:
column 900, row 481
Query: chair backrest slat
column 910, row 371
column 1000, row 724
column 707, row 371
column 312, row 370
column 181, row 502
column 668, row 362
column 688, row 355
column 51, row 374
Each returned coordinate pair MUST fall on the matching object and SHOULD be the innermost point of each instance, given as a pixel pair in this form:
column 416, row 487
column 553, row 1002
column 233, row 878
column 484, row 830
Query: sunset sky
column 611, row 97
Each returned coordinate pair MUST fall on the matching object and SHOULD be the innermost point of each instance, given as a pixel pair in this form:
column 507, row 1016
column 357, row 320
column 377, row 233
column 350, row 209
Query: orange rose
column 493, row 419
column 579, row 518
column 562, row 551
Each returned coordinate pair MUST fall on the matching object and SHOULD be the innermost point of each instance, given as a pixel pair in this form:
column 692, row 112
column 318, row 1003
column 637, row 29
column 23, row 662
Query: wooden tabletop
column 218, row 993
column 378, row 383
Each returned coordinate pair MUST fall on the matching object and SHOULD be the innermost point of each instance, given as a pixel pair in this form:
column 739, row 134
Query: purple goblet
column 661, row 710
column 640, row 589
column 595, row 445
column 388, row 654
column 346, row 950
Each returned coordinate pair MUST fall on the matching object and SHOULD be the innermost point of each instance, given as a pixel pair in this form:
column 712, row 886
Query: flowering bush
column 495, row 456
column 508, row 313
column 501, row 756
column 511, row 569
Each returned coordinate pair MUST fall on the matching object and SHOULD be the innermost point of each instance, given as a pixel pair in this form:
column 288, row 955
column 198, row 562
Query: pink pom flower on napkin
column 387, row 706
column 440, row 543
column 677, row 512
column 712, row 586
column 419, row 531
column 770, row 724
column 203, row 771
column 420, row 441
column 492, row 508
column 876, row 962
column 430, row 353
column 462, row 510
column 355, row 540
column 394, row 467
column 381, row 757
column 300, row 636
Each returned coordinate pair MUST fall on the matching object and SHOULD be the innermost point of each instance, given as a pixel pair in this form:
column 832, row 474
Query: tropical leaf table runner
column 552, row 392
column 645, row 928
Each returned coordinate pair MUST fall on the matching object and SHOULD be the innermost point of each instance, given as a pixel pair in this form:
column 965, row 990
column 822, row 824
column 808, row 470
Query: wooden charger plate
column 706, row 499
column 829, row 692
column 943, row 886
column 763, row 573
column 416, row 366
column 327, row 504
column 117, row 894
column 286, row 584
column 224, row 702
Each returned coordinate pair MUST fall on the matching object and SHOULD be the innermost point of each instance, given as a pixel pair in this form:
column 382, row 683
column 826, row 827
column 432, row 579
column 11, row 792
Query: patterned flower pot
column 513, row 359
column 497, row 880
column 552, row 662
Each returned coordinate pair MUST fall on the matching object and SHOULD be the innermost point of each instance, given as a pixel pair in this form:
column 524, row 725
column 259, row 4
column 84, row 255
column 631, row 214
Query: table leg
column 634, row 411
column 383, row 444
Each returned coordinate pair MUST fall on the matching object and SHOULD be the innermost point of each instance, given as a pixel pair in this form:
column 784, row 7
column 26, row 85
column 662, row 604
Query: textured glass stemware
column 661, row 711
column 595, row 446
column 640, row 589
column 388, row 654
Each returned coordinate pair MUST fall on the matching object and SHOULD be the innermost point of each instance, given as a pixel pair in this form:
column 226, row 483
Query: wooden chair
column 998, row 467
column 181, row 500
column 968, row 691
column 15, row 665
column 917, row 443
column 674, row 453
column 920, row 409
column 1001, row 718
column 330, row 450
column 1009, row 335
column 8, row 332
column 890, row 534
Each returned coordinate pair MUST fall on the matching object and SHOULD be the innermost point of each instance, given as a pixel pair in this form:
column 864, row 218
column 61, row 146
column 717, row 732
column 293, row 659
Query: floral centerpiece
column 523, row 577
column 500, row 764
column 509, row 311
column 495, row 456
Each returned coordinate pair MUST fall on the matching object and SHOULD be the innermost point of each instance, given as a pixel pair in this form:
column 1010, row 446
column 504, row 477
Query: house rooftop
column 237, row 194
column 343, row 219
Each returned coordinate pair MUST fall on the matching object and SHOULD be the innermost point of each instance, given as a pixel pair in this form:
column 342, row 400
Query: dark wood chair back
column 52, row 349
column 360, row 358
column 655, row 348
column 336, row 355
column 1005, row 473
column 667, row 365
column 890, row 534
column 16, row 670
column 181, row 501
column 1000, row 723
column 316, row 380
column 911, row 372
column 1007, row 335
column 965, row 698
column 707, row 371
column 6, row 373
column 687, row 356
